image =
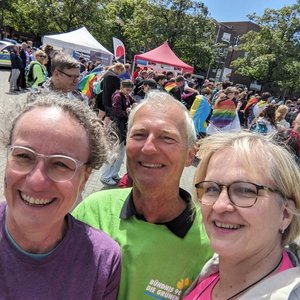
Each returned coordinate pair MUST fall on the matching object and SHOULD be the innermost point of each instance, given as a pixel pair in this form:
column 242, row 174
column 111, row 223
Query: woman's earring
column 282, row 230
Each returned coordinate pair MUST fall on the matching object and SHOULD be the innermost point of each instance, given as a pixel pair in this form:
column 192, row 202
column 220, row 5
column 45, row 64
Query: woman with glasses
column 248, row 189
column 37, row 74
column 53, row 146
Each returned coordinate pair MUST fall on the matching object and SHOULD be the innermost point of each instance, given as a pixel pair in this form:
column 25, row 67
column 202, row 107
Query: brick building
column 228, row 37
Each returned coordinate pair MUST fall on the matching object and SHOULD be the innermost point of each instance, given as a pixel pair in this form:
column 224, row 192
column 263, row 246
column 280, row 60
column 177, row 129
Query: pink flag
column 119, row 49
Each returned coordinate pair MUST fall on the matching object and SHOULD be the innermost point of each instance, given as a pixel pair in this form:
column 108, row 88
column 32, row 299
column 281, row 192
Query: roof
column 78, row 40
column 164, row 55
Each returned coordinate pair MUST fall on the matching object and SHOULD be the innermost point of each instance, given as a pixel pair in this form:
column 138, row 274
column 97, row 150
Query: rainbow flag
column 250, row 102
column 224, row 113
column 85, row 85
column 169, row 86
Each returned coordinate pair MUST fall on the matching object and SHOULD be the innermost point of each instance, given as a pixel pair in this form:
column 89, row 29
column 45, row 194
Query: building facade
column 228, row 39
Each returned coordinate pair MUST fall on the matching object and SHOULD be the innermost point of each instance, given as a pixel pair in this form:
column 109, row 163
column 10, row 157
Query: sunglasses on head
column 43, row 56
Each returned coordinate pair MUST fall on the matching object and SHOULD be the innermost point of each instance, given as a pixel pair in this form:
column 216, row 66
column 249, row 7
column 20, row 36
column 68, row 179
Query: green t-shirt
column 156, row 264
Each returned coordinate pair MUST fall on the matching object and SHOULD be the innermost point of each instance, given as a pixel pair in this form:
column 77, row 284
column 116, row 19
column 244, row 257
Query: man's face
column 169, row 76
column 157, row 149
column 66, row 80
column 180, row 83
column 162, row 81
column 146, row 88
column 145, row 75
column 126, row 91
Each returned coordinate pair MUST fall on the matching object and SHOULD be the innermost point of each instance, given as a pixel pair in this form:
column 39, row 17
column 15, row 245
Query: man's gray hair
column 164, row 100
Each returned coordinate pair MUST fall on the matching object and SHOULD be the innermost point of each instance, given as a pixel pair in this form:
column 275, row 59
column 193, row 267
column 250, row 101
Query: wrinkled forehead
column 166, row 112
column 167, row 115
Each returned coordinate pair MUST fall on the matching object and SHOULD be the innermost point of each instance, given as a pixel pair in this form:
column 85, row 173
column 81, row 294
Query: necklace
column 259, row 280
column 246, row 288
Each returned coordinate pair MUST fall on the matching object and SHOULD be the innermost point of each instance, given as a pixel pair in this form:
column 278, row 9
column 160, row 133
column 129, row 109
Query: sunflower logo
column 183, row 283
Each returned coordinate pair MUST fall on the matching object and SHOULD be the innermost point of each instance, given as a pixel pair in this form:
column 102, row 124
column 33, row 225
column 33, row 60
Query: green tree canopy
column 273, row 54
column 138, row 23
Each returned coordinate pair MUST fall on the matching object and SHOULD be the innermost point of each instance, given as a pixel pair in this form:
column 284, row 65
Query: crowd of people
column 235, row 238
column 214, row 107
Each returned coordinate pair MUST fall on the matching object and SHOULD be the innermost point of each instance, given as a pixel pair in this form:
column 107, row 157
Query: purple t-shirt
column 84, row 266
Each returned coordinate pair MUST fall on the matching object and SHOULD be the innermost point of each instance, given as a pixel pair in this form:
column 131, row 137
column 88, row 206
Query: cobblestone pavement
column 9, row 104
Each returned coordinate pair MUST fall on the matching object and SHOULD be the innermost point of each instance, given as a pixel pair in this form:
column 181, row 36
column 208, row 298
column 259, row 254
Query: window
column 226, row 37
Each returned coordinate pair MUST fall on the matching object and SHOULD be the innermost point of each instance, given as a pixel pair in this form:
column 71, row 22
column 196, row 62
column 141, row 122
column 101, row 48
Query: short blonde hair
column 118, row 67
column 39, row 52
column 278, row 165
column 281, row 112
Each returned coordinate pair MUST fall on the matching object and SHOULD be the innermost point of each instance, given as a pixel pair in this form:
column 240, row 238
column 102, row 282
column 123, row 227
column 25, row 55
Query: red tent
column 164, row 55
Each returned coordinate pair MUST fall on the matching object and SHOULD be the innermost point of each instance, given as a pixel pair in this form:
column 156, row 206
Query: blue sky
column 237, row 10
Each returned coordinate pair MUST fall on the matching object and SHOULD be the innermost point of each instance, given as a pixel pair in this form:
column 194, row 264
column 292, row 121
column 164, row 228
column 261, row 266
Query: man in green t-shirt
column 163, row 242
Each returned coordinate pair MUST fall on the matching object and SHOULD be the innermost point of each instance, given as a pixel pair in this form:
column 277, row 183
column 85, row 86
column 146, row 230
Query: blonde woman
column 247, row 187
column 37, row 71
column 280, row 115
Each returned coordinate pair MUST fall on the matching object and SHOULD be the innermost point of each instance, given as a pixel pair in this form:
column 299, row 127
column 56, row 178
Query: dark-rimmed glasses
column 73, row 77
column 59, row 168
column 240, row 193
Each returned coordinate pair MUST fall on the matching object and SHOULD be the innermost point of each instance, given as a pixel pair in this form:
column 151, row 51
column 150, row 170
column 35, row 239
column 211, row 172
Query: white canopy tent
column 78, row 40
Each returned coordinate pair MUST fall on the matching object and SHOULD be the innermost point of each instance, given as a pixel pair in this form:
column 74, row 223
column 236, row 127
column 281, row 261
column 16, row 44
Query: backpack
column 29, row 73
column 259, row 127
column 98, row 86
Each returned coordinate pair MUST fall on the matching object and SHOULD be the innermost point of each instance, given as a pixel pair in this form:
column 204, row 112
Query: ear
column 55, row 72
column 287, row 214
column 191, row 155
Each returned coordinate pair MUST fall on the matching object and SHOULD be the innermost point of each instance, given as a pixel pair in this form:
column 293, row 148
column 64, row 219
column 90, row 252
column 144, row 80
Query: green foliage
column 138, row 23
column 40, row 17
column 273, row 54
column 141, row 23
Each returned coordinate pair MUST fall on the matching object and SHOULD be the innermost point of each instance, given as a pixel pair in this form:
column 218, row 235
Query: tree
column 183, row 23
column 138, row 23
column 273, row 54
column 44, row 16
column 142, row 23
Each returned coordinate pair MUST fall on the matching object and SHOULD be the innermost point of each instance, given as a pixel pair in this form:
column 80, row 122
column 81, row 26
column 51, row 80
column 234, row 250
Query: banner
column 119, row 50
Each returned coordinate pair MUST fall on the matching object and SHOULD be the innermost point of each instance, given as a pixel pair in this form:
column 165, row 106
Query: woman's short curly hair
column 99, row 143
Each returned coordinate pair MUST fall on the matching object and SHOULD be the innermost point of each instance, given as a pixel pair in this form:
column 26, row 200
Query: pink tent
column 164, row 55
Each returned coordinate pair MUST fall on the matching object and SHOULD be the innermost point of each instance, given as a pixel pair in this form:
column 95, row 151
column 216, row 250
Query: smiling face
column 157, row 149
column 242, row 232
column 33, row 199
